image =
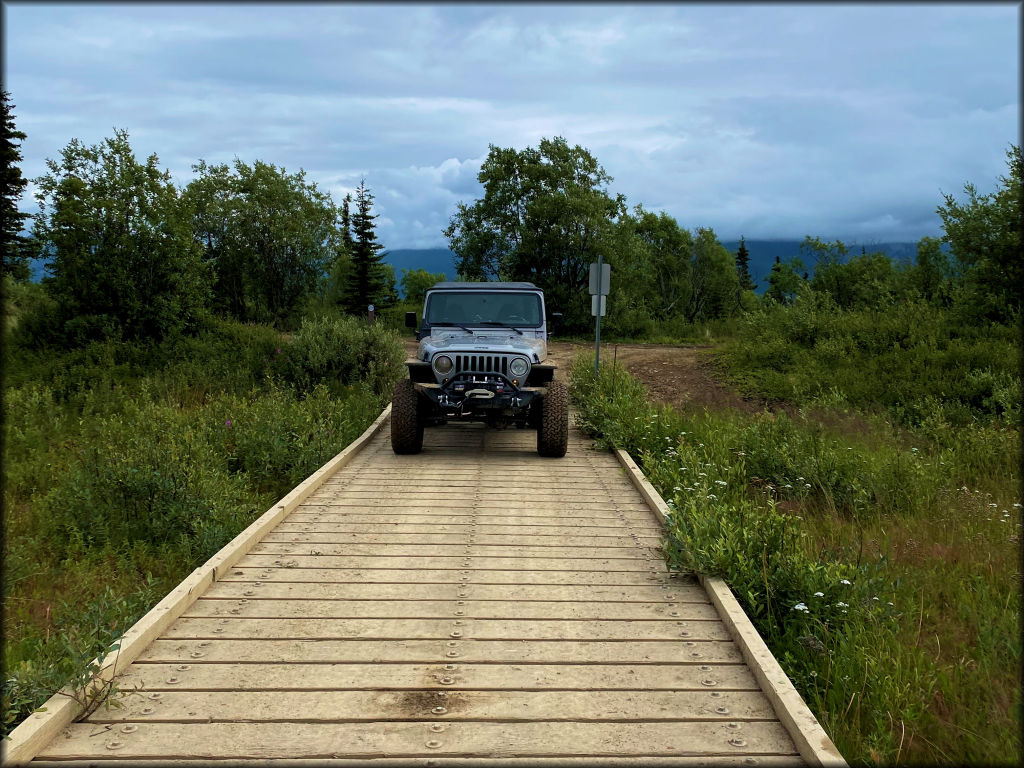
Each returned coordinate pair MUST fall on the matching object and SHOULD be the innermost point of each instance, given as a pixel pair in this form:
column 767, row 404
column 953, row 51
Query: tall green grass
column 127, row 467
column 912, row 360
column 878, row 574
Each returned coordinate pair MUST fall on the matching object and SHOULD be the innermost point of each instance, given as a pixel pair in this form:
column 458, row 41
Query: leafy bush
column 343, row 351
column 912, row 359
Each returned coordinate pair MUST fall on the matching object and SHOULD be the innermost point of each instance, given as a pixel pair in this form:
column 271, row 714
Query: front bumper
column 480, row 396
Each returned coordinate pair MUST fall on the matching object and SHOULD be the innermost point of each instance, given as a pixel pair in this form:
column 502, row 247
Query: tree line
column 547, row 213
column 131, row 255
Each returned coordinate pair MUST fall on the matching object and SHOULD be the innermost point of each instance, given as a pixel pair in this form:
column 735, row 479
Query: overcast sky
column 769, row 121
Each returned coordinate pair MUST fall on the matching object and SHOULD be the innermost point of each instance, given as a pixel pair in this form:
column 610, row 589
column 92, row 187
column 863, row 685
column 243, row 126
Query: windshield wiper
column 455, row 325
column 502, row 325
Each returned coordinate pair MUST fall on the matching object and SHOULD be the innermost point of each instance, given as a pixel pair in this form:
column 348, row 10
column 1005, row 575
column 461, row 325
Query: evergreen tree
column 15, row 246
column 367, row 278
column 346, row 224
column 743, row 267
column 784, row 280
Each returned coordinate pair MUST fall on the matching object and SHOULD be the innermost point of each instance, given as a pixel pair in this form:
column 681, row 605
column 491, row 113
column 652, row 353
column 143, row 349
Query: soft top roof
column 484, row 286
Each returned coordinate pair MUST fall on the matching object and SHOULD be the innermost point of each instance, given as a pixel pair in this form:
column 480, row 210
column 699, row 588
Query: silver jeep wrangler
column 481, row 358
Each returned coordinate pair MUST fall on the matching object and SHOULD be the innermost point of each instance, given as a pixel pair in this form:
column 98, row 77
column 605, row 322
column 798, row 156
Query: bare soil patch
column 675, row 375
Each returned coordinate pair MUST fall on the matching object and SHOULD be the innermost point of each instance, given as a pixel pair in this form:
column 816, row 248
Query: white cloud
column 761, row 119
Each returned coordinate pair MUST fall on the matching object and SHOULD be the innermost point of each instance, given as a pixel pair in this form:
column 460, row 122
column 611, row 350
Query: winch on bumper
column 491, row 396
column 468, row 394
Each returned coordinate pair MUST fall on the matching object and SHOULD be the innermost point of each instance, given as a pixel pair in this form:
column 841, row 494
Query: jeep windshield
column 493, row 308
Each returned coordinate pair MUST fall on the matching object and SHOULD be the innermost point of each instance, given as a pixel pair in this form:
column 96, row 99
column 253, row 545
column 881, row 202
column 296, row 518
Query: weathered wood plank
column 483, row 629
column 270, row 590
column 453, row 607
column 304, row 533
column 728, row 672
column 378, row 739
column 247, row 571
column 297, row 560
column 456, row 525
column 380, row 705
column 425, row 651
column 478, row 551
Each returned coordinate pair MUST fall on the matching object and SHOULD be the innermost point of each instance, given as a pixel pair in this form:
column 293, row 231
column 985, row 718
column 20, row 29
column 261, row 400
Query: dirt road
column 675, row 375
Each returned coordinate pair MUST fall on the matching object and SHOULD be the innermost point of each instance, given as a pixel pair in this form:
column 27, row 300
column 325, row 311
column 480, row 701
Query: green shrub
column 911, row 359
column 343, row 351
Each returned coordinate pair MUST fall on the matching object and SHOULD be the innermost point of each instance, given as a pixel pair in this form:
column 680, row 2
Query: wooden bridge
column 473, row 604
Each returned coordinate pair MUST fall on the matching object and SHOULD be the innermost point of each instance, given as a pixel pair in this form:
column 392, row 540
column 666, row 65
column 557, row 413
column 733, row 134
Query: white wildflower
column 819, row 594
column 845, row 581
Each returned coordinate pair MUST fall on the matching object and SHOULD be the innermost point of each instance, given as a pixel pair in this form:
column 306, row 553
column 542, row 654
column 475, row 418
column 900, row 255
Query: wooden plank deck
column 474, row 602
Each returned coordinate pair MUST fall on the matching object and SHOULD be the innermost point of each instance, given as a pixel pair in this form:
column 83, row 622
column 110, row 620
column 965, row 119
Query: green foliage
column 68, row 656
column 124, row 263
column 713, row 278
column 544, row 217
column 268, row 236
column 343, row 351
column 913, row 359
column 368, row 279
column 12, row 185
column 985, row 236
column 416, row 283
column 864, row 281
column 931, row 275
column 785, row 281
column 743, row 267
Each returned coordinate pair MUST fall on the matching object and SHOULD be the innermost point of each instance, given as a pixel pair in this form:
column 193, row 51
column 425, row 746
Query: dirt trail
column 674, row 375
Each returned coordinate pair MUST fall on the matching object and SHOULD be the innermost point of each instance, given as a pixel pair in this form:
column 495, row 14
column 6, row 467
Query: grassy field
column 874, row 542
column 126, row 467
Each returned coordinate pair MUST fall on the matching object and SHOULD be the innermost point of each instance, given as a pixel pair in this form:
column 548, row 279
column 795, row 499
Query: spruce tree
column 366, row 275
column 15, row 246
column 743, row 267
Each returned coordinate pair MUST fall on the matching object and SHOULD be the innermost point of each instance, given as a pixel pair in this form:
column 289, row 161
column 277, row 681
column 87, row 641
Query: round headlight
column 443, row 364
column 519, row 366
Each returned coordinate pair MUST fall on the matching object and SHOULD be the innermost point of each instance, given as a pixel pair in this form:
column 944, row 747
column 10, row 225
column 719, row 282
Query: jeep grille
column 481, row 364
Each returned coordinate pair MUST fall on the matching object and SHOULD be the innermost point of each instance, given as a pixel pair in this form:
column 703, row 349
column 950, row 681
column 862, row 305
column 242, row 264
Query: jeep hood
column 493, row 340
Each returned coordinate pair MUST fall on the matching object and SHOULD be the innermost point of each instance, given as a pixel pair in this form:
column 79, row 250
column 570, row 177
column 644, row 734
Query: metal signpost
column 600, row 280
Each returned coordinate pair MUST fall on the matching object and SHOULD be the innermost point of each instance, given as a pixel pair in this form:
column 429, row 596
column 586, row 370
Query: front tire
column 406, row 418
column 553, row 429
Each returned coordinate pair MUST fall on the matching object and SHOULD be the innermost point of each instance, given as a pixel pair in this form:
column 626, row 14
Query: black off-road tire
column 406, row 418
column 553, row 429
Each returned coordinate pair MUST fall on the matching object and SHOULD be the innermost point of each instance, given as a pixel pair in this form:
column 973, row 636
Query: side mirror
column 410, row 319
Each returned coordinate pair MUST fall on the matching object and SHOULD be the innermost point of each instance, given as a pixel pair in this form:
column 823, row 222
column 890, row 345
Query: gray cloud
column 768, row 121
